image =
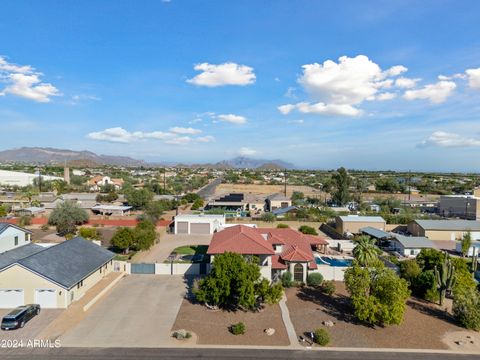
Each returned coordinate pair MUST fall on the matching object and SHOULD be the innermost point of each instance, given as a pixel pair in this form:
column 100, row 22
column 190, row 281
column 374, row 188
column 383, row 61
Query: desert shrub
column 466, row 308
column 282, row 226
column 287, row 279
column 89, row 233
column 328, row 287
column 25, row 220
column 314, row 279
column 238, row 329
column 308, row 230
column 321, row 337
column 268, row 217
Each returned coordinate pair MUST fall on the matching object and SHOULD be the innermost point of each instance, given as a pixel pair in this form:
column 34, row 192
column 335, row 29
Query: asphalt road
column 208, row 353
column 209, row 190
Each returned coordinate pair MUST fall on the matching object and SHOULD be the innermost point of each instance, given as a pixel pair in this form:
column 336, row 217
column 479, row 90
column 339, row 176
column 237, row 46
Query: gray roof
column 5, row 226
column 12, row 256
column 278, row 197
column 455, row 225
column 281, row 211
column 69, row 262
column 414, row 242
column 375, row 233
column 358, row 218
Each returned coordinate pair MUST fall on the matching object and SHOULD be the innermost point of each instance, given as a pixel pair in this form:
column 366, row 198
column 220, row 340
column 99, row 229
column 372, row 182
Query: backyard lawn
column 423, row 327
column 191, row 250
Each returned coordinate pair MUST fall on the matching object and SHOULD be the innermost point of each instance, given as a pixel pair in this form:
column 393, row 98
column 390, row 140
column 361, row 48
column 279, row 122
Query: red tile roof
column 278, row 263
column 241, row 240
column 297, row 253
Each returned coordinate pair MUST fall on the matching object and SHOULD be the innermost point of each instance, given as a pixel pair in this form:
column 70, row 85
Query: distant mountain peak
column 243, row 162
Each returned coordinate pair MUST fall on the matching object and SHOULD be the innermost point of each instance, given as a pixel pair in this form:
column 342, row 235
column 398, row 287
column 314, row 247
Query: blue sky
column 322, row 84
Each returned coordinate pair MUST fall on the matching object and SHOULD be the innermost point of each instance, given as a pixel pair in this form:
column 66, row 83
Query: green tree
column 89, row 233
column 138, row 199
column 410, row 271
column 429, row 258
column 466, row 243
column 3, row 211
column 191, row 197
column 154, row 210
column 378, row 295
column 341, row 180
column 144, row 235
column 268, row 217
column 365, row 251
column 297, row 197
column 235, row 282
column 66, row 216
column 123, row 239
column 308, row 230
column 197, row 204
column 466, row 308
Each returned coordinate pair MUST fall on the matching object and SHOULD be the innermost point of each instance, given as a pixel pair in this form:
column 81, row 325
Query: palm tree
column 365, row 252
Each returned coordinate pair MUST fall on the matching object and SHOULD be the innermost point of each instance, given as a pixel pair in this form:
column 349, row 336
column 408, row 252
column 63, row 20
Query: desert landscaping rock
column 270, row 331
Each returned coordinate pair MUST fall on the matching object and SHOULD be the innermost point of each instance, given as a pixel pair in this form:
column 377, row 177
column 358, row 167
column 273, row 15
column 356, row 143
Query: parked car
column 18, row 317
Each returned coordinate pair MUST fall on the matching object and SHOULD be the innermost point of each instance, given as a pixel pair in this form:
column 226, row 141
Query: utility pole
column 164, row 180
column 285, row 181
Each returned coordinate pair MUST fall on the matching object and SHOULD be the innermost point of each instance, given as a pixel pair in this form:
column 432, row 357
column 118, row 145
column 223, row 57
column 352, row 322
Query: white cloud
column 435, row 93
column 245, row 151
column 120, row 135
column 322, row 109
column 299, row 121
column 183, row 130
column 473, row 78
column 223, row 74
column 406, row 83
column 337, row 88
column 385, row 96
column 231, row 118
column 24, row 81
column 445, row 139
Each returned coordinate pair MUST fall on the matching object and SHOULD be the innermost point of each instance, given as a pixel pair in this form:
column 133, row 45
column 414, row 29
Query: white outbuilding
column 198, row 223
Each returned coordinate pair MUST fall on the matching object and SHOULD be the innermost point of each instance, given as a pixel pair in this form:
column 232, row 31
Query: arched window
column 298, row 272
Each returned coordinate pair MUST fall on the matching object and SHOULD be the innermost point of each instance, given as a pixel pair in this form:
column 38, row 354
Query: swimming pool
column 325, row 260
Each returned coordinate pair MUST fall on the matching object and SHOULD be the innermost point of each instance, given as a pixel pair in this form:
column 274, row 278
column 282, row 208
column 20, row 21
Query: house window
column 16, row 240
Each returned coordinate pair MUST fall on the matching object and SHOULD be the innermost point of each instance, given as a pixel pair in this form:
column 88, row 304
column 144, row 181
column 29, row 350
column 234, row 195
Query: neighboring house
column 444, row 229
column 198, row 224
column 462, row 206
column 23, row 179
column 121, row 210
column 230, row 202
column 12, row 237
column 410, row 246
column 97, row 182
column 277, row 201
column 53, row 277
column 353, row 223
column 278, row 250
column 30, row 211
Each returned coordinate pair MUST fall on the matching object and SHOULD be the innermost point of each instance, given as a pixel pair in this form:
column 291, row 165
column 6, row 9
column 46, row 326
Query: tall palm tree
column 365, row 252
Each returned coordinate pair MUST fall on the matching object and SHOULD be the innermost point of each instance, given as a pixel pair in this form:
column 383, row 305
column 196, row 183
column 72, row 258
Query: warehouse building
column 446, row 230
column 354, row 224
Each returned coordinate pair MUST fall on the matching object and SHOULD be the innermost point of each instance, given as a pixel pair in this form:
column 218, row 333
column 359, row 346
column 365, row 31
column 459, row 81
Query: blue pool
column 324, row 260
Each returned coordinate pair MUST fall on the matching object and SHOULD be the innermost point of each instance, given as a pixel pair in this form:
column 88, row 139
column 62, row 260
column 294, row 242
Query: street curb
column 101, row 293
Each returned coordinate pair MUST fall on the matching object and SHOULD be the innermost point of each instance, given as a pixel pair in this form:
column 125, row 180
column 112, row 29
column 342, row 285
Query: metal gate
column 142, row 268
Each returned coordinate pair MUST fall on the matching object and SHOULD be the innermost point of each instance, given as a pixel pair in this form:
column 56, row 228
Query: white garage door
column 182, row 227
column 199, row 228
column 46, row 298
column 10, row 298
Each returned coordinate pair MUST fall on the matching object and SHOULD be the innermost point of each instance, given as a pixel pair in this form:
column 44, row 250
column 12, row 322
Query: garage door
column 46, row 298
column 182, row 227
column 197, row 228
column 10, row 298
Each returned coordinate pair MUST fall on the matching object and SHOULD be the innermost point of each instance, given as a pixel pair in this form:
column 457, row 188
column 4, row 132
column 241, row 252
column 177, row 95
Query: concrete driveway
column 168, row 242
column 32, row 328
column 139, row 312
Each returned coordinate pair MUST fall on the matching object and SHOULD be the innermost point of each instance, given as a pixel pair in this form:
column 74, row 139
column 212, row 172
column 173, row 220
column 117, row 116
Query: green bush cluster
column 321, row 337
column 238, row 328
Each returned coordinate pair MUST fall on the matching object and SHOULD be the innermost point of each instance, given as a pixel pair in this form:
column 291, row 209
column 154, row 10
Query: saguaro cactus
column 445, row 277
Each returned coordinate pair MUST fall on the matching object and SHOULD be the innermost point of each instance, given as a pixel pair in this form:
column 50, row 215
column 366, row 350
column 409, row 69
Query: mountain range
column 41, row 155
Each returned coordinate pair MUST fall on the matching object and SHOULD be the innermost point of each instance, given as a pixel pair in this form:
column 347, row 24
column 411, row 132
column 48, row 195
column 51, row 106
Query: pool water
column 332, row 261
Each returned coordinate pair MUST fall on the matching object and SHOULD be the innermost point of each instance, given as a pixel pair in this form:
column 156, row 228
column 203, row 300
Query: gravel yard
column 211, row 327
column 424, row 325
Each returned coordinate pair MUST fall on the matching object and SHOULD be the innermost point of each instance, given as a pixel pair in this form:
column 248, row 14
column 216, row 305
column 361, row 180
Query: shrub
column 308, row 230
column 321, row 337
column 238, row 329
column 89, row 233
column 197, row 204
column 268, row 217
column 287, row 279
column 45, row 227
column 328, row 287
column 282, row 226
column 25, row 220
column 314, row 279
column 466, row 308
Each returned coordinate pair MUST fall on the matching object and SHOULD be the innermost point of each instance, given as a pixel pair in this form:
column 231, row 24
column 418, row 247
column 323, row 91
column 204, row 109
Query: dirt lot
column 267, row 189
column 211, row 327
column 423, row 327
